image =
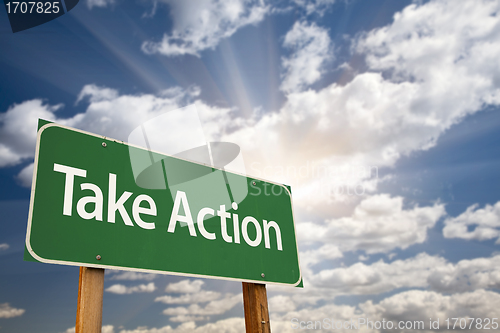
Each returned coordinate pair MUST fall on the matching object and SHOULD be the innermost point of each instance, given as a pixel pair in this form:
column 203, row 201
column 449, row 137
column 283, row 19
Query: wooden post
column 255, row 305
column 89, row 309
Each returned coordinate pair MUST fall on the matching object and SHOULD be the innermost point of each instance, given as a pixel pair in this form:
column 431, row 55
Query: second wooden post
column 256, row 311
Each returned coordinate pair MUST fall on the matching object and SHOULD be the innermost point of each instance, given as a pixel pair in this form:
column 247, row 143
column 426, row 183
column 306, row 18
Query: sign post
column 255, row 306
column 89, row 308
column 101, row 203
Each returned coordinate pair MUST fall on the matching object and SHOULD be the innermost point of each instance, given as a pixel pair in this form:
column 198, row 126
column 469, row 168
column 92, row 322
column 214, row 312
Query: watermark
column 332, row 181
column 350, row 172
column 28, row 14
column 355, row 324
column 181, row 134
column 363, row 322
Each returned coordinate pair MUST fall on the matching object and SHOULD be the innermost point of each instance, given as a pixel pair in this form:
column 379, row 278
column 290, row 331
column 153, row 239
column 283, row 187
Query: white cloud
column 417, row 305
column 378, row 277
column 421, row 271
column 4, row 246
column 216, row 303
column 200, row 25
column 108, row 113
column 201, row 296
column 324, row 252
column 122, row 290
column 99, row 3
column 486, row 222
column 439, row 42
column 413, row 305
column 18, row 130
column 131, row 276
column 185, row 286
column 311, row 47
column 281, row 303
column 97, row 94
column 215, row 307
column 6, row 311
column 283, row 322
column 104, row 329
column 229, row 325
column 379, row 224
column 26, row 175
column 466, row 275
column 187, row 318
column 434, row 65
column 315, row 6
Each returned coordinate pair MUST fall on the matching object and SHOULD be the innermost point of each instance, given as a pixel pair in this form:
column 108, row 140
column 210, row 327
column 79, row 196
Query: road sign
column 86, row 209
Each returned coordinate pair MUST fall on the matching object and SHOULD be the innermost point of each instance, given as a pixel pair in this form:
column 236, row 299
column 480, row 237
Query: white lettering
column 236, row 224
column 276, row 228
column 244, row 231
column 223, row 226
column 200, row 219
column 114, row 205
column 97, row 200
column 68, row 184
column 180, row 197
column 137, row 209
column 295, row 324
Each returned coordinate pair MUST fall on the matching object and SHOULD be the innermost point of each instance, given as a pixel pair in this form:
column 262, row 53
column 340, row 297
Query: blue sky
column 407, row 90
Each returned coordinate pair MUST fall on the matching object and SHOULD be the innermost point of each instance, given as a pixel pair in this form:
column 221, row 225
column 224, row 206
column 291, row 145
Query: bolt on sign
column 99, row 202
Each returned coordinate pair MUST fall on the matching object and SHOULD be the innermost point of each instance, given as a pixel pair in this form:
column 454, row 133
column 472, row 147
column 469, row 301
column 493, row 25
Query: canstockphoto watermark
column 348, row 179
column 355, row 324
column 349, row 172
column 430, row 324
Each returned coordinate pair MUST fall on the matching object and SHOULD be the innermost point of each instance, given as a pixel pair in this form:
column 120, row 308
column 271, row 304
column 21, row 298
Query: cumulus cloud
column 4, row 246
column 324, row 252
column 315, row 6
column 379, row 224
column 460, row 41
column 99, row 3
column 378, row 277
column 311, row 49
column 466, row 275
column 418, row 305
column 6, row 311
column 122, row 290
column 200, row 25
column 104, row 329
column 131, row 276
column 201, row 296
column 230, row 325
column 26, row 175
column 216, row 303
column 426, row 71
column 18, row 130
column 195, row 312
column 185, row 286
column 485, row 222
column 108, row 113
column 413, row 305
column 281, row 303
column 422, row 271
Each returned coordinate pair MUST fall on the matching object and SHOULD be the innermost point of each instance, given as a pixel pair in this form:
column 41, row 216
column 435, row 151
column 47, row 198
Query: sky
column 381, row 115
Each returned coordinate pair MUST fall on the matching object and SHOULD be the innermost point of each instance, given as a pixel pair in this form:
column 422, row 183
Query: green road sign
column 99, row 202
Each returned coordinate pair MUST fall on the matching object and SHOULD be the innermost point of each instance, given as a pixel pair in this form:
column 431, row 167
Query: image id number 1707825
column 32, row 7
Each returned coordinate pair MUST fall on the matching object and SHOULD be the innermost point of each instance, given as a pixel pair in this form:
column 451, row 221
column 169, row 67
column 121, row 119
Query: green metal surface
column 75, row 239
